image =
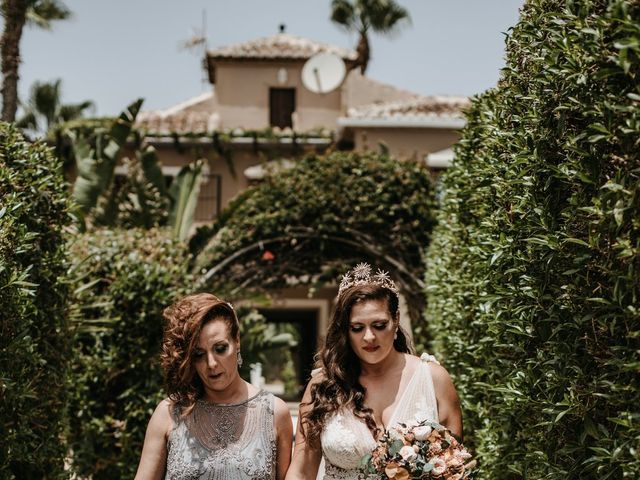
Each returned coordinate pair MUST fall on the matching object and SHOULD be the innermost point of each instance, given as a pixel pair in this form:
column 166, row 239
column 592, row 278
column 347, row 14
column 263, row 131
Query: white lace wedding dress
column 346, row 439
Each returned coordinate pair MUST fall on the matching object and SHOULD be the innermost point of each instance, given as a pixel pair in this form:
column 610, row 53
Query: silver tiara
column 361, row 275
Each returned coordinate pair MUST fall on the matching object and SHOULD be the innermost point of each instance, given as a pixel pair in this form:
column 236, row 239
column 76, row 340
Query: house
column 258, row 111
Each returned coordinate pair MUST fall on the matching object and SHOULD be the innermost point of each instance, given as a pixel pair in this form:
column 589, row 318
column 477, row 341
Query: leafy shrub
column 322, row 215
column 534, row 272
column 123, row 281
column 33, row 338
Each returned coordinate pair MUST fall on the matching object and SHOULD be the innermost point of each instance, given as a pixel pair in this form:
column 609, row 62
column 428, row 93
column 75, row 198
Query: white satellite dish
column 323, row 72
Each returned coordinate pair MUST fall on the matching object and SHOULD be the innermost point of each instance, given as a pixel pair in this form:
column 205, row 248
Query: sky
column 112, row 52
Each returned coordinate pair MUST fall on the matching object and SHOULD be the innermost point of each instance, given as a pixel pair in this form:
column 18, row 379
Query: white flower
column 394, row 434
column 462, row 454
column 407, row 453
column 439, row 466
column 422, row 432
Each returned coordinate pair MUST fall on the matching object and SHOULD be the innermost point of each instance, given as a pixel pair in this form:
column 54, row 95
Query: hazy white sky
column 115, row 51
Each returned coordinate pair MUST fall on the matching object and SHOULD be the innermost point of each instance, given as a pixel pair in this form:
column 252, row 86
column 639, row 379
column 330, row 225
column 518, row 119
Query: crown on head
column 361, row 275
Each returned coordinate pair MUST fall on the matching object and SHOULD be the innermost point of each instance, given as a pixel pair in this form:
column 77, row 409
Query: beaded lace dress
column 346, row 439
column 224, row 441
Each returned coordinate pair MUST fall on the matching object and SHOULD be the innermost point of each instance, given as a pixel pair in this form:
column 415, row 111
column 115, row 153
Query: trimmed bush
column 34, row 351
column 534, row 271
column 123, row 281
column 326, row 214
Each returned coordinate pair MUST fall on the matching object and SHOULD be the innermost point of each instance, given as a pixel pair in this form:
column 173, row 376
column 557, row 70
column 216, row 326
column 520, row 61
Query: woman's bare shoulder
column 412, row 361
column 281, row 409
column 165, row 408
column 162, row 418
column 442, row 381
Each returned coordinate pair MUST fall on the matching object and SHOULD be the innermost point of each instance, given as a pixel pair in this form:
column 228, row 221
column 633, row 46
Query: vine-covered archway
column 309, row 224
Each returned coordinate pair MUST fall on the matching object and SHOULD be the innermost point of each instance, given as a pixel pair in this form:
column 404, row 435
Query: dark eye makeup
column 376, row 326
column 219, row 349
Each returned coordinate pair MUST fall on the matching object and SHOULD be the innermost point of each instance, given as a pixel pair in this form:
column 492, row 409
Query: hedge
column 123, row 279
column 534, row 269
column 34, row 351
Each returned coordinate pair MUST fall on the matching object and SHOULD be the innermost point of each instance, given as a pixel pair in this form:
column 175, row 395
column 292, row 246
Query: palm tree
column 16, row 13
column 381, row 16
column 45, row 110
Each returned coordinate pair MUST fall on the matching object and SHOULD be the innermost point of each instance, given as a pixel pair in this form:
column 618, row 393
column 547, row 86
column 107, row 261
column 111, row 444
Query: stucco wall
column 359, row 90
column 405, row 142
column 242, row 91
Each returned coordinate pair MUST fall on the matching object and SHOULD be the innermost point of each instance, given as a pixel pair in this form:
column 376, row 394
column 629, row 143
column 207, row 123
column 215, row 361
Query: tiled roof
column 279, row 46
column 177, row 122
column 198, row 114
column 422, row 107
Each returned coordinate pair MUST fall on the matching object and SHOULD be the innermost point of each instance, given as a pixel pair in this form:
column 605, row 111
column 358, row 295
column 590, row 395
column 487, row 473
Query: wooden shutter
column 282, row 103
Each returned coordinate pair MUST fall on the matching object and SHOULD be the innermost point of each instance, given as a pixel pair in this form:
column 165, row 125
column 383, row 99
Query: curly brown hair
column 184, row 321
column 340, row 386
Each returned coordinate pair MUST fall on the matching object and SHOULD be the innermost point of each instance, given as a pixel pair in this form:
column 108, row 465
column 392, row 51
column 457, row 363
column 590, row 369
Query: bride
column 368, row 381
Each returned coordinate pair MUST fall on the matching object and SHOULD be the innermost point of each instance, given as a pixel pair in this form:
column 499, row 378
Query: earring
column 239, row 359
column 395, row 335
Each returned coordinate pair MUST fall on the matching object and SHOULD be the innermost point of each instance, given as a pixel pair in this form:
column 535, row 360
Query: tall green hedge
column 33, row 339
column 122, row 280
column 534, row 270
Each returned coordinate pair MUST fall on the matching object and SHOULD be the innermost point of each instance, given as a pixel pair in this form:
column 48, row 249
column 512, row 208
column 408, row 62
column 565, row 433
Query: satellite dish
column 323, row 72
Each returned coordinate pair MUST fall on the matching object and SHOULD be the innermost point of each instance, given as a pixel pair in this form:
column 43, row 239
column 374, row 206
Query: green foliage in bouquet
column 308, row 223
column 534, row 270
column 123, row 280
column 34, row 349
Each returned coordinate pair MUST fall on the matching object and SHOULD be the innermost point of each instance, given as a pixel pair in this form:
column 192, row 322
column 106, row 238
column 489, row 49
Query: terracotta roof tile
column 421, row 107
column 281, row 45
column 177, row 122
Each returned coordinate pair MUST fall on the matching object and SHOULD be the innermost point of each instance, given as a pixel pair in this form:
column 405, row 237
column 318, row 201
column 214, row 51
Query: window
column 282, row 104
column 209, row 200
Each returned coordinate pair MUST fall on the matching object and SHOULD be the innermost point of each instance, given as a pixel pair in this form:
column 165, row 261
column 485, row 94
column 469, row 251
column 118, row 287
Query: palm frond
column 386, row 16
column 71, row 111
column 43, row 12
column 28, row 121
column 45, row 99
column 343, row 14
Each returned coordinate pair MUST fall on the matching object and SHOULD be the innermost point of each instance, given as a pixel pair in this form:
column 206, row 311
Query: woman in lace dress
column 213, row 425
column 368, row 381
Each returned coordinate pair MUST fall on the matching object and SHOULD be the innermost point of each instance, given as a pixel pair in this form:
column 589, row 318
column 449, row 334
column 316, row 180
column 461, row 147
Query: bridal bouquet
column 424, row 450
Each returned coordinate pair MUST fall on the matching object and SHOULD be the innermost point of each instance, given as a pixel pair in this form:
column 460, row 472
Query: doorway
column 282, row 104
column 299, row 361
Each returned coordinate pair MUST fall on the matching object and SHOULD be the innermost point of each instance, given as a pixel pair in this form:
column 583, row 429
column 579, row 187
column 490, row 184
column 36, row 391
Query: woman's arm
column 306, row 457
column 449, row 412
column 153, row 461
column 284, row 438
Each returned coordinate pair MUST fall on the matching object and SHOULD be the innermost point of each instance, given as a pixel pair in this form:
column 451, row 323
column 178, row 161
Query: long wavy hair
column 183, row 323
column 340, row 386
